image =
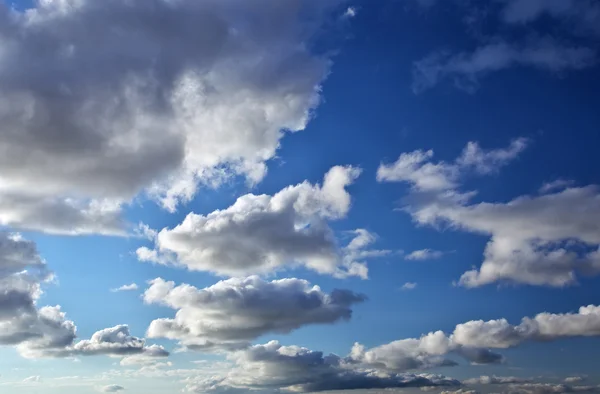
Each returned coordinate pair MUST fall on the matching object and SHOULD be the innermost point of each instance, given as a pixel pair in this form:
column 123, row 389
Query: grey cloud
column 146, row 96
column 272, row 366
column 466, row 68
column 111, row 388
column 204, row 316
column 547, row 239
column 264, row 233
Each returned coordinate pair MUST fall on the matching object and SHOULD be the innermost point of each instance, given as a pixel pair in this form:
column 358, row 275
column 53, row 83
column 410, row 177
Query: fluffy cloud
column 115, row 341
column 272, row 366
column 233, row 312
column 417, row 169
column 45, row 331
column 261, row 234
column 471, row 340
column 541, row 240
column 466, row 68
column 424, row 254
column 543, row 327
column 145, row 95
column 130, row 287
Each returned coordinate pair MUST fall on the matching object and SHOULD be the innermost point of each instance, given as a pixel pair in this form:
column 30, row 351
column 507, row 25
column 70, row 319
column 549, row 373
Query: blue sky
column 435, row 160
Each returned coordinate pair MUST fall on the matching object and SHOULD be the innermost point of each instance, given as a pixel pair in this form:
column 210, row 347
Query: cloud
column 541, row 240
column 424, row 254
column 496, row 380
column 115, row 341
column 409, row 286
column 582, row 17
column 32, row 379
column 550, row 388
column 543, row 327
column 467, row 68
column 558, row 184
column 180, row 95
column 231, row 313
column 350, row 12
column 473, row 339
column 262, row 234
column 130, row 287
column 417, row 169
column 111, row 388
column 271, row 367
column 574, row 379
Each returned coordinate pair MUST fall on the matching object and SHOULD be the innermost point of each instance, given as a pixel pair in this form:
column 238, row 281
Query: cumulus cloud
column 231, row 313
column 473, row 339
column 424, row 254
column 543, row 327
column 45, row 331
column 271, row 367
column 467, row 68
column 538, row 240
column 260, row 234
column 130, row 287
column 111, row 388
column 408, row 286
column 145, row 96
column 115, row 341
column 574, row 379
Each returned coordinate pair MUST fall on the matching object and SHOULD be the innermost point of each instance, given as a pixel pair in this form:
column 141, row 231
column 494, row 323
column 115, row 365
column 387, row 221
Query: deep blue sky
column 370, row 114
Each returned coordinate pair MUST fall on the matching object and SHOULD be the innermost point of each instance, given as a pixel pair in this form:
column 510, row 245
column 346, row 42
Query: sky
column 267, row 196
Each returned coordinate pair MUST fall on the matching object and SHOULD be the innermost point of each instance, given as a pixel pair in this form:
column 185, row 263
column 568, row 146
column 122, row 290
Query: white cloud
column 231, row 313
column 272, row 367
column 350, row 12
column 424, row 254
column 409, row 286
column 484, row 379
column 417, row 169
column 466, row 68
column 543, row 327
column 558, row 184
column 261, row 234
column 111, row 388
column 181, row 94
column 32, row 379
column 129, row 287
column 574, row 379
column 542, row 240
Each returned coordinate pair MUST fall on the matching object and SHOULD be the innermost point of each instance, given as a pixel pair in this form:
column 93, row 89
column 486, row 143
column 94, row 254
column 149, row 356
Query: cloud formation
column 424, row 254
column 261, row 234
column 145, row 96
column 129, row 287
column 271, row 367
column 546, row 239
column 231, row 313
